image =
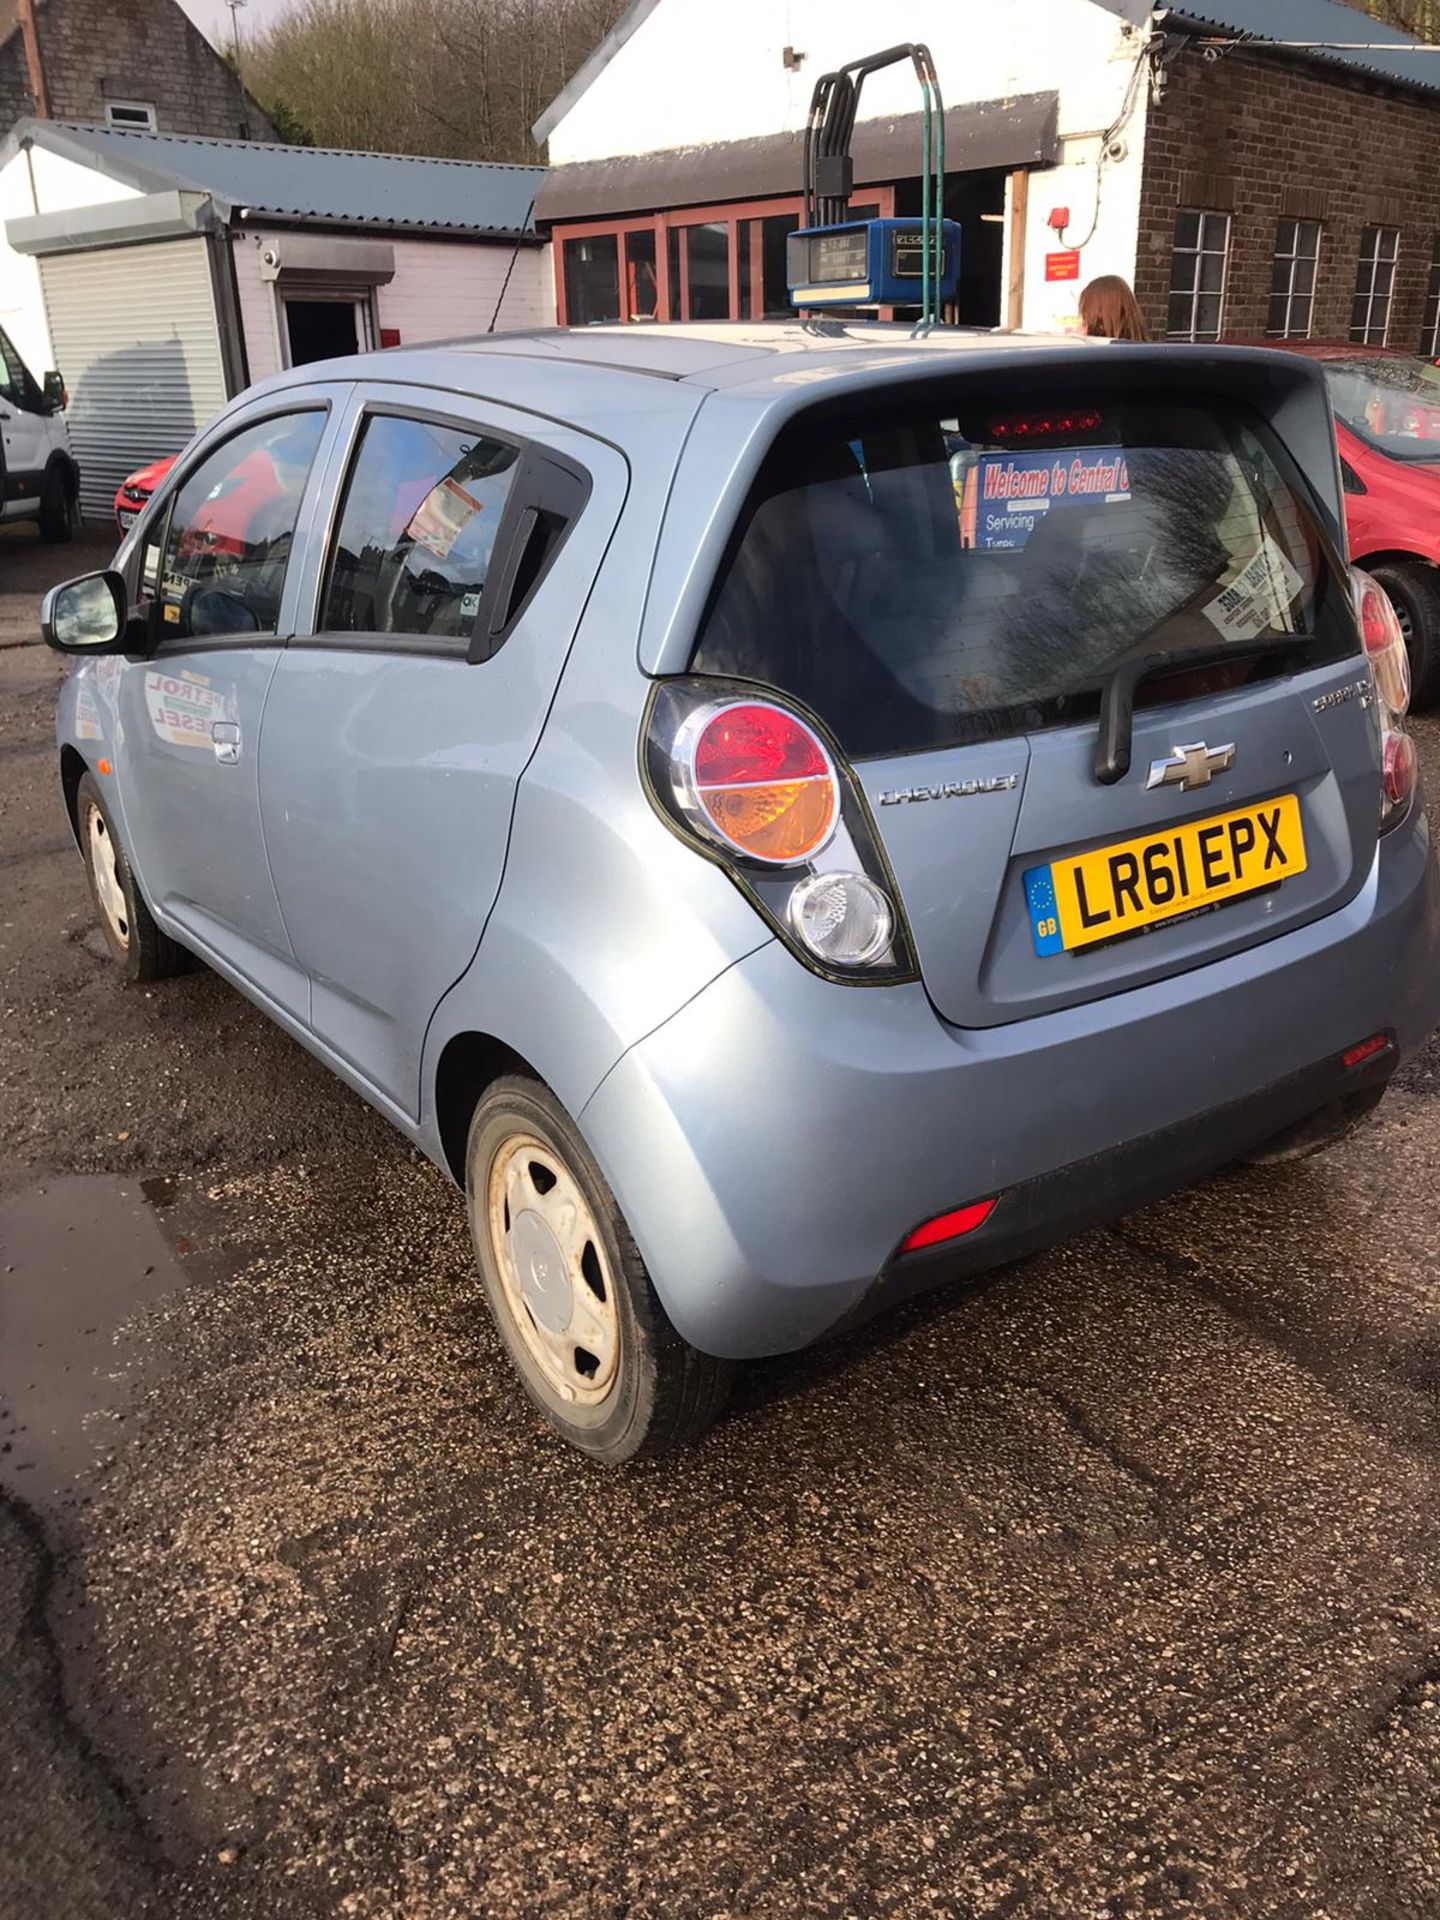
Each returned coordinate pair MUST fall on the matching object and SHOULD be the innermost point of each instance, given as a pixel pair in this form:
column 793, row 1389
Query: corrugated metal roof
column 310, row 183
column 1356, row 40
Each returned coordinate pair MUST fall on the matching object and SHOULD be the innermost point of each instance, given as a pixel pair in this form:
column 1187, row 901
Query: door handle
column 225, row 738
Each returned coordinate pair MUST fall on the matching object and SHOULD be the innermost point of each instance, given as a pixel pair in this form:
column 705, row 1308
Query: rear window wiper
column 1117, row 691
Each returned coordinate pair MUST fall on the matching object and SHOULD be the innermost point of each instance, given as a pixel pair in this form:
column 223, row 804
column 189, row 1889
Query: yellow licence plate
column 1135, row 883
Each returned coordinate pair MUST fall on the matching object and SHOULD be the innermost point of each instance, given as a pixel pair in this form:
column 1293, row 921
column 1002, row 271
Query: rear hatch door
column 969, row 584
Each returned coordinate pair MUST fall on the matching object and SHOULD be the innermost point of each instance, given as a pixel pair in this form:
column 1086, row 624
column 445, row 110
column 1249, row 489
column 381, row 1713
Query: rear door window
column 423, row 503
column 946, row 576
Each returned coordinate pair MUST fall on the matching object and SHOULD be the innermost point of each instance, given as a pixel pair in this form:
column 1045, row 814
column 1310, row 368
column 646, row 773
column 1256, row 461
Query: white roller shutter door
column 138, row 345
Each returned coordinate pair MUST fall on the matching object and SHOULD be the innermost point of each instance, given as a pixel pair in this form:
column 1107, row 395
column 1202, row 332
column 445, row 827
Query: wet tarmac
column 1109, row 1588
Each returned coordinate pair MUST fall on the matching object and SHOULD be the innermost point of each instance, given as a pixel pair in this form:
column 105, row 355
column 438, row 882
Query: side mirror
column 87, row 615
column 56, row 398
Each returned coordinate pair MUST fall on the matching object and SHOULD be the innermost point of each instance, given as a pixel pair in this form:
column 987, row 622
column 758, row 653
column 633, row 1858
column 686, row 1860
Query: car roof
column 724, row 354
column 639, row 386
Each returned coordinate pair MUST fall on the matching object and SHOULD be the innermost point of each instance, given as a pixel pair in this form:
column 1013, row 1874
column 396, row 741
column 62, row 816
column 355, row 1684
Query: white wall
column 696, row 72
column 40, row 182
column 442, row 289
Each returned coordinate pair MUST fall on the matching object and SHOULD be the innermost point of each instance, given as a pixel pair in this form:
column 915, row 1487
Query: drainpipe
column 35, row 66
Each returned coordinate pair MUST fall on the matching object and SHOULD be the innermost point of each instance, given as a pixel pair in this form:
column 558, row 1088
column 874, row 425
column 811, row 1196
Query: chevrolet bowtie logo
column 1192, row 766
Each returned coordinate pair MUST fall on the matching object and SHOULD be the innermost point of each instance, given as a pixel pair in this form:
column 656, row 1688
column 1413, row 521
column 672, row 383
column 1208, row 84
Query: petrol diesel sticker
column 181, row 708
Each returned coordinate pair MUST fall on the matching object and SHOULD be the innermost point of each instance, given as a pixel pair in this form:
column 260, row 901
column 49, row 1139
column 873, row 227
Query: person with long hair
column 1110, row 311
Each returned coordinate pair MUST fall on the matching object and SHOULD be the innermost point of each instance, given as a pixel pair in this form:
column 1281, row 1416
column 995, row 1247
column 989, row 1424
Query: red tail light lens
column 1390, row 671
column 1399, row 768
column 760, row 781
column 1385, row 646
column 948, row 1226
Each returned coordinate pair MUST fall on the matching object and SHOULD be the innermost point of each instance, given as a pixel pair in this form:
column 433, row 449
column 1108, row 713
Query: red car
column 1387, row 412
column 132, row 493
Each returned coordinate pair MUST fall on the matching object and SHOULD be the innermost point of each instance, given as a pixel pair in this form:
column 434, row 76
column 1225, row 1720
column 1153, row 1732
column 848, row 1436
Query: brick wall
column 99, row 50
column 1262, row 138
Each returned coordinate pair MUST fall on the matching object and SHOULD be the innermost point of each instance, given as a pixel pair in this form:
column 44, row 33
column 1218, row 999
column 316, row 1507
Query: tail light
column 757, row 787
column 758, row 780
column 1390, row 673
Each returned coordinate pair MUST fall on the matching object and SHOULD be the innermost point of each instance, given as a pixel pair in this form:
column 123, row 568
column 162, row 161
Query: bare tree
column 465, row 79
column 1420, row 17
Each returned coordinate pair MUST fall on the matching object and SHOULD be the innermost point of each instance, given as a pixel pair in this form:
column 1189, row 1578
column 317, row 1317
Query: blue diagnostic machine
column 870, row 263
column 838, row 262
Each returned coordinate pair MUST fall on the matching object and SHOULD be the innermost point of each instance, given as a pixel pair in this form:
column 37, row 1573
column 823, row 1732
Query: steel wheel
column 109, row 893
column 553, row 1269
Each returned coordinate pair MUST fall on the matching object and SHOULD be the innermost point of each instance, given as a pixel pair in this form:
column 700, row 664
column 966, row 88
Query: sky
column 213, row 18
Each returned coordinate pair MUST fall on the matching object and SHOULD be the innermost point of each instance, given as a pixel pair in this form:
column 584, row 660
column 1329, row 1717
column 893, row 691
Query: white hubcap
column 108, row 890
column 557, row 1280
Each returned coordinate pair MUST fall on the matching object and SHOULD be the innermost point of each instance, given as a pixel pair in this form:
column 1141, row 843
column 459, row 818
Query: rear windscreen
column 937, row 578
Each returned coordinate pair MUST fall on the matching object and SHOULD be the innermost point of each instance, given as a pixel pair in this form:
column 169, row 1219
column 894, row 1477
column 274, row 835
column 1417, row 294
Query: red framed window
column 724, row 262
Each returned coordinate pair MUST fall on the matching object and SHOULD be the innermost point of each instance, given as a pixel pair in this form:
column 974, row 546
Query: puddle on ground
column 78, row 1257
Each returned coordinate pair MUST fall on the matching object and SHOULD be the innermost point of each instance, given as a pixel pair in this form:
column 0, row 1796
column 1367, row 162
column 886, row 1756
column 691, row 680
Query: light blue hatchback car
column 784, row 817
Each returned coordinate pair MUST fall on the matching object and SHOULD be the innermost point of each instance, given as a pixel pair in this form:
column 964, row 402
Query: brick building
column 1304, row 182
column 1254, row 166
column 122, row 63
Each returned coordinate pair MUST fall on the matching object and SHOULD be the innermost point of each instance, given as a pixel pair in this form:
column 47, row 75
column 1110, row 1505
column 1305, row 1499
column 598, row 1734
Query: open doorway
column 323, row 329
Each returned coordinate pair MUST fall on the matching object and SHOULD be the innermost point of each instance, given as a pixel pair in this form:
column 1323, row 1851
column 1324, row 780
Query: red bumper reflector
column 948, row 1226
column 1365, row 1050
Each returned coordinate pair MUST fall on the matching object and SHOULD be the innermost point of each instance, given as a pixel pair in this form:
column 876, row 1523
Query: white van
column 39, row 479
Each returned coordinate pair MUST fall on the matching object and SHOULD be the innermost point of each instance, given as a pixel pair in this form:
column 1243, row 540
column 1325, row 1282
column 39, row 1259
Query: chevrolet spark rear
column 1030, row 702
column 783, row 818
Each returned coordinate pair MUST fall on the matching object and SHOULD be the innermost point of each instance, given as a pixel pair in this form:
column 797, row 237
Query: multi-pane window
column 1292, row 282
column 1374, row 285
column 1430, row 332
column 1197, row 275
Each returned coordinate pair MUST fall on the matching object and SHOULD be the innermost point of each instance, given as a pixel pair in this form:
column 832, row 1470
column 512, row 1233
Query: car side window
column 423, row 503
column 12, row 374
column 231, row 528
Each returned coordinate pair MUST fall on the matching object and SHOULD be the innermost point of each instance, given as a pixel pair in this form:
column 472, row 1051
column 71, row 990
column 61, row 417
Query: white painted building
column 163, row 274
column 676, row 157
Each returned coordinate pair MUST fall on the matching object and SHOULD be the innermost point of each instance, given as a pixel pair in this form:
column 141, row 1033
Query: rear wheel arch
column 469, row 1064
column 1398, row 558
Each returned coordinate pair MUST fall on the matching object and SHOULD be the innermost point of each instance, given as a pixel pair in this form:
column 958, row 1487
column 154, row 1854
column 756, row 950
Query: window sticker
column 1003, row 495
column 181, row 708
column 1258, row 596
column 442, row 516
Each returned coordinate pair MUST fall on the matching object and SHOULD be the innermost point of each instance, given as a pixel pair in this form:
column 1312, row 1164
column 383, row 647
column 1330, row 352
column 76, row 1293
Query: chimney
column 34, row 65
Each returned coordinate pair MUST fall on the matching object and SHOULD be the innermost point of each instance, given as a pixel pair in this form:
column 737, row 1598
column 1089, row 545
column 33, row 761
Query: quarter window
column 231, row 529
column 1197, row 275
column 422, row 507
column 1292, row 284
column 1374, row 285
column 1430, row 332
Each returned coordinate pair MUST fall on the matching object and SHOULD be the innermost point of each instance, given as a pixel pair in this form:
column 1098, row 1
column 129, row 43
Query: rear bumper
column 773, row 1142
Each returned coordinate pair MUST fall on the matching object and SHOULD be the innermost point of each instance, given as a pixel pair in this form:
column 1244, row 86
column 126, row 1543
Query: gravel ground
column 1109, row 1588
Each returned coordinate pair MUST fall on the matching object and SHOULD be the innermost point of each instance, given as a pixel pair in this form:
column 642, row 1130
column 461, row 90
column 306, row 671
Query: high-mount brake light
column 1012, row 428
column 1390, row 673
column 757, row 779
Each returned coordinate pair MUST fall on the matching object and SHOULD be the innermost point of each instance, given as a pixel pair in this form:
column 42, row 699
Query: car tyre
column 140, row 949
column 57, row 507
column 568, row 1290
column 1414, row 591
